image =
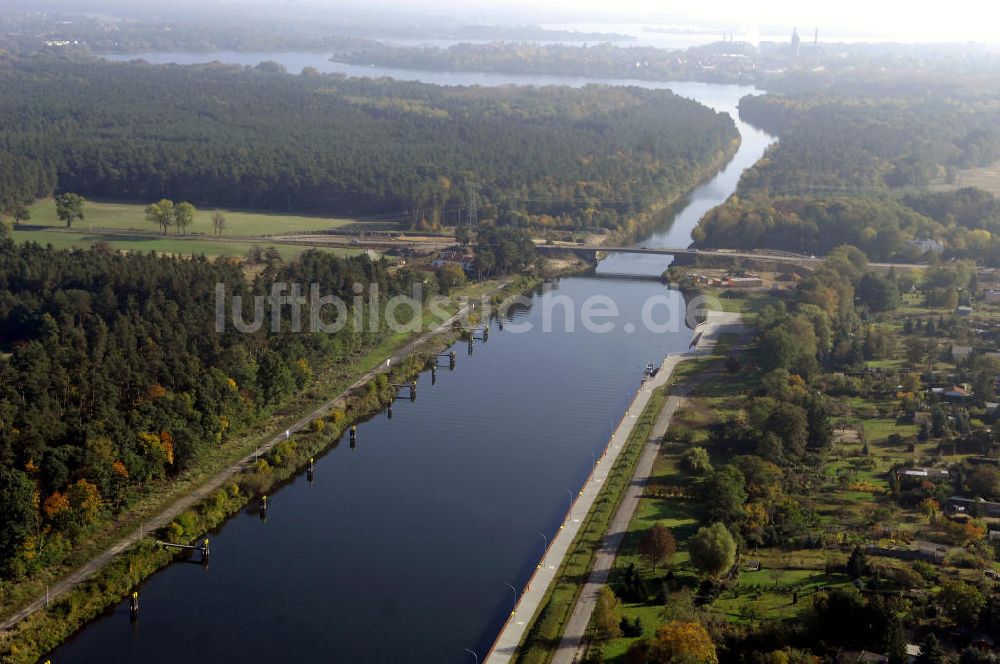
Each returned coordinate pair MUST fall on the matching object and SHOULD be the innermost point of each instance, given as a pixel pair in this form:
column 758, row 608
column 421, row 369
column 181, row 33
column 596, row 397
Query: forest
column 833, row 142
column 257, row 138
column 870, row 164
column 113, row 375
column 964, row 223
column 600, row 60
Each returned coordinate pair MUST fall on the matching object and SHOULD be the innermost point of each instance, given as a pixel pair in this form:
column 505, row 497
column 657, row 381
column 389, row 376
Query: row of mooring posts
column 203, row 548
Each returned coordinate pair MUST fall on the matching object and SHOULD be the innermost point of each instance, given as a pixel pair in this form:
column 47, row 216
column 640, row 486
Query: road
column 434, row 243
column 771, row 256
column 505, row 647
column 175, row 508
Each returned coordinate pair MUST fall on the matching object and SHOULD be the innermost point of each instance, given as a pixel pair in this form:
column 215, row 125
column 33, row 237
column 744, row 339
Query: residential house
column 927, row 246
column 963, row 505
column 924, row 473
column 462, row 259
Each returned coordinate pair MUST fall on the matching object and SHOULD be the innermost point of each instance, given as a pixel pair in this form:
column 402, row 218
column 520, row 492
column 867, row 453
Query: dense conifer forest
column 113, row 375
column 261, row 139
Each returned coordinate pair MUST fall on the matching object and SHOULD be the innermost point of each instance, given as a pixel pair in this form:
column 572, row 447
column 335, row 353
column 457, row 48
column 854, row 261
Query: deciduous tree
column 657, row 545
column 712, row 550
column 962, row 602
column 607, row 615
column 183, row 216
column 161, row 213
column 682, row 643
column 218, row 223
column 69, row 207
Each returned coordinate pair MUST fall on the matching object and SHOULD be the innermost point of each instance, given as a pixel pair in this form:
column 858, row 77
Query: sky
column 913, row 20
column 898, row 20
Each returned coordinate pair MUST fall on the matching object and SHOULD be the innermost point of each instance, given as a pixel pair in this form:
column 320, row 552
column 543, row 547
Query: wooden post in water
column 452, row 360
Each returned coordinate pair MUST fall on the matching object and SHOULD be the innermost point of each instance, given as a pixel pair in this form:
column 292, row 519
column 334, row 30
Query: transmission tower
column 472, row 205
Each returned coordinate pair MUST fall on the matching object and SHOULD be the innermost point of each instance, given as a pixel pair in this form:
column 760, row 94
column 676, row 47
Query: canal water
column 401, row 548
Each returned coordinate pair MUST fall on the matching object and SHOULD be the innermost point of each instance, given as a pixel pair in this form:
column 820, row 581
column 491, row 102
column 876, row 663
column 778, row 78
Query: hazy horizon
column 965, row 20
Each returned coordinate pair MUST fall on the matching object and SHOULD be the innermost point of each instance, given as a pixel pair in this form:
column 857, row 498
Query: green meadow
column 125, row 216
column 125, row 227
column 165, row 245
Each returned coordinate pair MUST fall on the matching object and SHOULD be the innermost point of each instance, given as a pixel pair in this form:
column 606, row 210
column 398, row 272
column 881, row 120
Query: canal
column 400, row 549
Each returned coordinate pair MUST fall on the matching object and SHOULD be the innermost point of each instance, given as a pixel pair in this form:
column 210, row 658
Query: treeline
column 28, row 32
column 830, row 142
column 593, row 61
column 113, row 375
column 963, row 223
column 222, row 136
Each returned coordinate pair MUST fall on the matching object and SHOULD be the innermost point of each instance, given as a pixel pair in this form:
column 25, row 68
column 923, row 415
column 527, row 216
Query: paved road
column 506, row 644
column 572, row 647
column 762, row 255
column 345, row 241
column 510, row 637
column 572, row 644
column 204, row 491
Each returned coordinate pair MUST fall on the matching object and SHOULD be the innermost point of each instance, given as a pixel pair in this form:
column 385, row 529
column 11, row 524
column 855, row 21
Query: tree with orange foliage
column 167, row 441
column 680, row 642
column 55, row 505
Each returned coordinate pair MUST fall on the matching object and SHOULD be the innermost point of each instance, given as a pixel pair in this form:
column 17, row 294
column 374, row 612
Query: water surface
column 400, row 549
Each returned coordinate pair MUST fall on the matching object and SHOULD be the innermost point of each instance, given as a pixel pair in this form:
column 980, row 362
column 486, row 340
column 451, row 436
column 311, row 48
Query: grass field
column 167, row 245
column 987, row 178
column 125, row 216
